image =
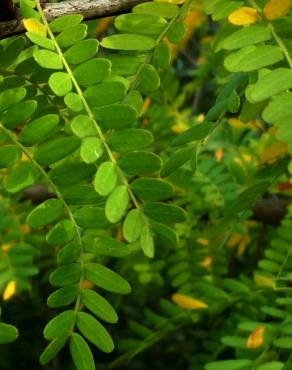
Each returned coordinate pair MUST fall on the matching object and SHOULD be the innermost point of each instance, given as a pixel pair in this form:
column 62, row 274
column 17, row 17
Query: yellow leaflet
column 243, row 16
column 179, row 127
column 207, row 262
column 264, row 281
column 33, row 25
column 256, row 338
column 9, row 290
column 188, row 303
column 277, row 9
column 6, row 247
column 236, row 123
column 25, row 229
column 203, row 241
column 103, row 25
column 274, row 152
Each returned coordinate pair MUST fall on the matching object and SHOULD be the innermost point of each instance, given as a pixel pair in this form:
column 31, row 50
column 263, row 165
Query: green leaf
column 198, row 132
column 60, row 83
column 133, row 225
column 251, row 58
column 56, row 149
column 105, row 179
column 117, row 204
column 60, row 325
column 147, row 242
column 72, row 35
column 162, row 57
column 234, row 342
column 73, row 102
column 18, row 113
column 39, row 129
column 140, row 163
column 176, row 160
column 228, row 365
column 279, row 108
column 283, row 342
column 115, row 116
column 81, row 354
column 105, row 93
column 161, row 212
column 8, row 155
column 92, row 71
column 149, row 79
column 91, row 217
column 125, row 65
column 166, row 234
column 82, row 126
column 70, row 253
column 106, row 279
column 72, row 173
column 53, row 349
column 63, row 296
column 162, row 9
column 107, row 246
column 129, row 42
column 130, row 139
column 176, row 32
column 66, row 21
column 269, row 85
column 91, row 149
column 45, row 213
column 82, row 51
column 99, row 306
column 10, row 97
column 62, row 233
column 8, row 333
column 273, row 365
column 66, row 275
column 23, row 175
column 246, row 36
column 146, row 24
column 40, row 40
column 94, row 332
column 152, row 189
column 48, row 59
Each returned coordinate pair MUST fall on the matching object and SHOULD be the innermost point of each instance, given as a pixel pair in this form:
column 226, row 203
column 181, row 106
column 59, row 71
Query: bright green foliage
column 132, row 171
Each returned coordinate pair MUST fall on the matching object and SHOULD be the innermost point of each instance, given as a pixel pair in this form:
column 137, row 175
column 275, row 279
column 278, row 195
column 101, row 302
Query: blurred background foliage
column 230, row 268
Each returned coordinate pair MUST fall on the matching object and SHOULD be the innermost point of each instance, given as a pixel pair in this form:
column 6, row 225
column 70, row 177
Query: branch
column 90, row 9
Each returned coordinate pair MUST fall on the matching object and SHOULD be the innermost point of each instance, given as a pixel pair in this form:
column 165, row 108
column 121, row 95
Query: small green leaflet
column 147, row 242
column 98, row 305
column 93, row 331
column 45, row 213
column 133, row 225
column 117, row 204
column 48, row 59
column 251, row 58
column 8, row 333
column 91, row 149
column 60, row 83
column 105, row 179
column 129, row 42
column 106, row 279
column 81, row 353
column 60, row 325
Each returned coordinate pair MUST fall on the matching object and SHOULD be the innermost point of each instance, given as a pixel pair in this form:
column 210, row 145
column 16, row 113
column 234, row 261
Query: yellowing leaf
column 264, row 281
column 33, row 25
column 25, row 229
column 243, row 16
column 188, row 303
column 9, row 290
column 256, row 338
column 6, row 247
column 277, row 9
column 207, row 262
column 274, row 151
column 203, row 241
